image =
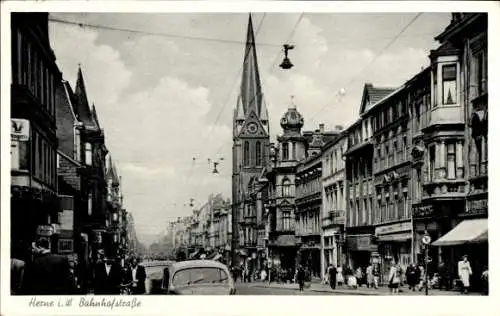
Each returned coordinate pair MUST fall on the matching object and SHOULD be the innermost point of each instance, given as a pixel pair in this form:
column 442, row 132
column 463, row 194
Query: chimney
column 322, row 128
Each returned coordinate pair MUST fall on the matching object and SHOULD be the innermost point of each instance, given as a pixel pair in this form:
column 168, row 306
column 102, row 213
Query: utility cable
column 375, row 57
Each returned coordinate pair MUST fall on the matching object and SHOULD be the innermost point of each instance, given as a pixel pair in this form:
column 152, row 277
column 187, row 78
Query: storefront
column 309, row 257
column 469, row 237
column 283, row 250
column 394, row 245
column 361, row 248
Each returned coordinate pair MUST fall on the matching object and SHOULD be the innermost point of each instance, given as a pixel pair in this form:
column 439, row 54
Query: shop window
column 451, row 161
column 449, row 84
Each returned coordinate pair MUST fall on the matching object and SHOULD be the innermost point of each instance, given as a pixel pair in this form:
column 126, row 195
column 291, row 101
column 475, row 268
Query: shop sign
column 476, row 207
column 393, row 228
column 45, row 230
column 20, row 129
column 423, row 211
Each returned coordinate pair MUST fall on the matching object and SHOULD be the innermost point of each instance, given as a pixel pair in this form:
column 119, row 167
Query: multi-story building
column 455, row 189
column 116, row 214
column 34, row 203
column 250, row 148
column 391, row 207
column 333, row 200
column 360, row 230
column 91, row 152
column 281, row 187
column 308, row 201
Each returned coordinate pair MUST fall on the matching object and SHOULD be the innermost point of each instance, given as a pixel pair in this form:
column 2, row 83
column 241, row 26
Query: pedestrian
column 108, row 277
column 359, row 276
column 444, row 280
column 332, row 272
column 301, row 276
column 464, row 272
column 369, row 276
column 263, row 275
column 485, row 281
column 47, row 274
column 17, row 266
column 340, row 276
column 136, row 276
column 412, row 276
column 376, row 275
column 394, row 278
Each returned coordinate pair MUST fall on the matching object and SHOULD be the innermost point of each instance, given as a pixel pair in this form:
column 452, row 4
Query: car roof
column 198, row 264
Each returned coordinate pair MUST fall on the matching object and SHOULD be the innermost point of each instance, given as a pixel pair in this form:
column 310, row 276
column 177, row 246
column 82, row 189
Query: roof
column 372, row 95
column 81, row 103
column 197, row 264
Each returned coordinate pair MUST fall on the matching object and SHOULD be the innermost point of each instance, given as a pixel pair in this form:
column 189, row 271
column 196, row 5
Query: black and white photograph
column 247, row 153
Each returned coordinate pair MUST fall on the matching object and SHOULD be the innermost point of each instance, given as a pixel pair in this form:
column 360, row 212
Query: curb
column 344, row 292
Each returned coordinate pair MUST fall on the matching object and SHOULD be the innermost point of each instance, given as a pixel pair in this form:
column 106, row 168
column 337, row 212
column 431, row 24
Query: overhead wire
column 379, row 53
column 271, row 67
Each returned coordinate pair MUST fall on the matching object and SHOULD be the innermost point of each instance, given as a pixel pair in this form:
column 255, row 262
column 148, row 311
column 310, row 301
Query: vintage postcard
column 257, row 150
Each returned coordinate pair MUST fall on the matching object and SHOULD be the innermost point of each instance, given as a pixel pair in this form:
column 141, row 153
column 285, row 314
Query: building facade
column 333, row 203
column 250, row 148
column 362, row 248
column 34, row 203
column 308, row 201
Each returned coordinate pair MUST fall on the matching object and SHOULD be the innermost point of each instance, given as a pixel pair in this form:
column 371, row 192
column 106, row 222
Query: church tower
column 250, row 136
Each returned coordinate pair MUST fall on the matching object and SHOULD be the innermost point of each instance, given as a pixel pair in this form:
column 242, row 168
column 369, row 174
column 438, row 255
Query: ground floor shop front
column 332, row 249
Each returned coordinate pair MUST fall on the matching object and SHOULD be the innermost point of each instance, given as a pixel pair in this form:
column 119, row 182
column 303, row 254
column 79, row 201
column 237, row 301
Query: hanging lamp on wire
column 286, row 63
column 215, row 171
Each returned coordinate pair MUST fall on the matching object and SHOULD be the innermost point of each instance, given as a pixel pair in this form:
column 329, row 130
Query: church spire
column 251, row 91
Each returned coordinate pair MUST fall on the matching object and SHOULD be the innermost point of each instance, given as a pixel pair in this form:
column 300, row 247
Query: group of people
column 46, row 273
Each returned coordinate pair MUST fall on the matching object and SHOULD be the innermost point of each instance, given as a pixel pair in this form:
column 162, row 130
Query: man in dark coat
column 107, row 277
column 332, row 276
column 136, row 277
column 301, row 278
column 48, row 274
column 412, row 276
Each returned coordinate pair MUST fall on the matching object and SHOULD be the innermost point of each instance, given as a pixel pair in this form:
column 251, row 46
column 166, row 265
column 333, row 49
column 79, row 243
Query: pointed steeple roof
column 94, row 116
column 251, row 91
column 240, row 113
column 112, row 174
column 82, row 103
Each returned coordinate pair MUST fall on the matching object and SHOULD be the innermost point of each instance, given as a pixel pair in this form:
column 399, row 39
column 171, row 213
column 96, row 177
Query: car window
column 193, row 276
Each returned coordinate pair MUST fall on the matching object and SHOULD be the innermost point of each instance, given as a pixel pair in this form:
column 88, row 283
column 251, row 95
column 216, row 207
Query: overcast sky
column 158, row 97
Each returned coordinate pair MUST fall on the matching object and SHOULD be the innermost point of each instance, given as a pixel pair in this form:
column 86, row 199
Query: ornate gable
column 253, row 127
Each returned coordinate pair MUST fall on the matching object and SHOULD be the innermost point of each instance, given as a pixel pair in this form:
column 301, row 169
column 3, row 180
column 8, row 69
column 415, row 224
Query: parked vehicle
column 197, row 277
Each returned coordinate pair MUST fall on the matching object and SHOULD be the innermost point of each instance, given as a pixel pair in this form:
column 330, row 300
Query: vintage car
column 154, row 275
column 197, row 277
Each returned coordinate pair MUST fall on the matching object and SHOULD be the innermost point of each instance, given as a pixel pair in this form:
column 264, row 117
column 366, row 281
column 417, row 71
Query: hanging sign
column 20, row 129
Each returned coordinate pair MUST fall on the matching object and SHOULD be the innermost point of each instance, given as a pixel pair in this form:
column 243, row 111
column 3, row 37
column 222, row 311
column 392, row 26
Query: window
column 451, row 165
column 285, row 151
column 20, row 59
column 88, row 154
column 432, row 162
column 480, row 71
column 64, row 246
column 258, row 154
column 294, row 154
column 449, row 84
column 287, row 221
column 434, row 85
column 77, row 145
column 199, row 276
column 89, row 204
column 285, row 187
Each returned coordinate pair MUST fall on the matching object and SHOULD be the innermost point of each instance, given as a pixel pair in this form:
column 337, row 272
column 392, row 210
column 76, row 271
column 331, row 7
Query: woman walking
column 464, row 272
column 394, row 279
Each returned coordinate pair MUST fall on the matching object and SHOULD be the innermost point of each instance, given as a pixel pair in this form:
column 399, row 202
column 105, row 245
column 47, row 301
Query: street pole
column 426, row 270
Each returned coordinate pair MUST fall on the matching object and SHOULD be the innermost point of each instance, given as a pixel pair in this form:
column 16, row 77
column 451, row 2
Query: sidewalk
column 343, row 290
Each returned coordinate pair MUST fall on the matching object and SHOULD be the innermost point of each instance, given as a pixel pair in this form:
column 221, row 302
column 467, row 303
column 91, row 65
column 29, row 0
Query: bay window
column 88, row 154
column 449, row 84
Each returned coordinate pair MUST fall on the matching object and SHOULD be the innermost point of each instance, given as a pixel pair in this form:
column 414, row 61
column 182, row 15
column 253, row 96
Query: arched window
column 285, row 187
column 258, row 157
column 246, row 154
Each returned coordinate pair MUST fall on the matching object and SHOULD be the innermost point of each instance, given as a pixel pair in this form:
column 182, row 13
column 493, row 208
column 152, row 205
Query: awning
column 395, row 237
column 469, row 231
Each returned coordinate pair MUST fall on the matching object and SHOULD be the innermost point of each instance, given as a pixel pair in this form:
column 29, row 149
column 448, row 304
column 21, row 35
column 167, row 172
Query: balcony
column 336, row 217
column 444, row 189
